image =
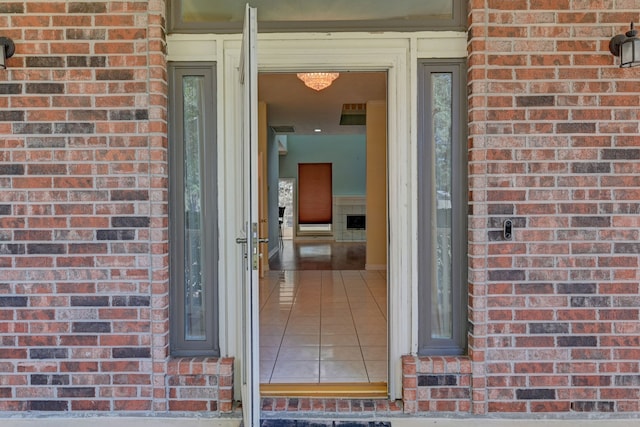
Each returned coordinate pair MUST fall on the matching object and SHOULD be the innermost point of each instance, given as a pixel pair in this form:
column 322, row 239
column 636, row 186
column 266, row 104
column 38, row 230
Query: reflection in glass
column 442, row 109
column 229, row 11
column 195, row 328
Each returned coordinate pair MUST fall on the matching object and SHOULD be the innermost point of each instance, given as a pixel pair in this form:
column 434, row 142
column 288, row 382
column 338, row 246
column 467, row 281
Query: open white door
column 250, row 357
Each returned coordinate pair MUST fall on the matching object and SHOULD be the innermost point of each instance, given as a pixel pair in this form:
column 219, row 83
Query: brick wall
column 200, row 384
column 436, row 384
column 554, row 146
column 83, row 213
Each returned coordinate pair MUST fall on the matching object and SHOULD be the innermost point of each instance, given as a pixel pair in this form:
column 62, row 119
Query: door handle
column 243, row 240
column 254, row 245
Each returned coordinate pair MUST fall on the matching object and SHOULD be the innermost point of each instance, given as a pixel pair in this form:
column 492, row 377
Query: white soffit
column 442, row 44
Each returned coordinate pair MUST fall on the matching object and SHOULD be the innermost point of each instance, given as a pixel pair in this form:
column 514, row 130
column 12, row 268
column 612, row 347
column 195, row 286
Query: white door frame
column 248, row 178
column 395, row 53
column 339, row 55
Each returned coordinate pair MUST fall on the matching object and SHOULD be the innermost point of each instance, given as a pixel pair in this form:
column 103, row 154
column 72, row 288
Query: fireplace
column 349, row 218
column 356, row 222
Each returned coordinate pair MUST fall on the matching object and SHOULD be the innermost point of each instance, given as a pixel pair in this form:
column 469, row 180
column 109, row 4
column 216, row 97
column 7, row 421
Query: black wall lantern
column 7, row 49
column 627, row 47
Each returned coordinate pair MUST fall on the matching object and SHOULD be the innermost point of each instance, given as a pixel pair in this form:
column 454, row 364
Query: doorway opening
column 323, row 299
column 286, row 208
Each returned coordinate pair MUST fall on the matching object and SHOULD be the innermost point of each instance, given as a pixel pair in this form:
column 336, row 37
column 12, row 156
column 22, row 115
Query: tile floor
column 320, row 326
column 319, row 256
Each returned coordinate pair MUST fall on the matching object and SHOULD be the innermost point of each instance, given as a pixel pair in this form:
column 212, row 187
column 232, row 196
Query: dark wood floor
column 319, row 256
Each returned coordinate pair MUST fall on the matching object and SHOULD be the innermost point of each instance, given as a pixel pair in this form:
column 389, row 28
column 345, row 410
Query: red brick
column 516, row 158
column 90, row 405
column 507, row 4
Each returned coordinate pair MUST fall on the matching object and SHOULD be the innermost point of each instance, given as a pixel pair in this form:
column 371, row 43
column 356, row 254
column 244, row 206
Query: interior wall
column 347, row 153
column 376, row 175
column 263, row 205
column 273, row 171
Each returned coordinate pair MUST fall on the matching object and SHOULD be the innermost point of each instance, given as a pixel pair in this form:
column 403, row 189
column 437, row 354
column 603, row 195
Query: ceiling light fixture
column 7, row 49
column 627, row 47
column 318, row 81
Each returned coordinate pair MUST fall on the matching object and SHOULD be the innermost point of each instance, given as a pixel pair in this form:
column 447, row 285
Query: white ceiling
column 290, row 102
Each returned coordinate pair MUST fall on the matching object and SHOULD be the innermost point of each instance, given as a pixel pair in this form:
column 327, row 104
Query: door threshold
column 342, row 390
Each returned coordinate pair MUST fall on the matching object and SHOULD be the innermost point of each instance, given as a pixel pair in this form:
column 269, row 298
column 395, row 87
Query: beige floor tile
column 342, row 369
column 301, row 329
column 336, row 320
column 274, row 318
column 339, row 340
column 369, row 319
column 295, row 380
column 325, row 317
column 309, row 353
column 301, row 340
column 266, row 369
column 344, row 380
column 268, row 352
column 273, row 329
column 366, row 312
column 270, row 340
column 340, row 353
column 328, row 300
column 295, row 369
column 305, row 296
column 305, row 311
column 376, row 370
column 371, row 328
column 377, row 353
column 338, row 329
column 373, row 339
column 304, row 321
column 335, row 309
column 366, row 306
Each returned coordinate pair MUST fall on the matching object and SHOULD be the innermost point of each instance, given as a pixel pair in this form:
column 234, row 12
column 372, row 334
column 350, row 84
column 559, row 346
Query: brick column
column 83, row 209
column 553, row 147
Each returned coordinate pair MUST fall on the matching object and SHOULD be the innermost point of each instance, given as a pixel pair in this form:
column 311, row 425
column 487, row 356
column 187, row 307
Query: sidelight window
column 193, row 210
column 442, row 247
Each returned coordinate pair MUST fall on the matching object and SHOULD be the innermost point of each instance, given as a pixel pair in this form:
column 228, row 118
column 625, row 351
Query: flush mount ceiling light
column 627, row 47
column 318, row 81
column 7, row 49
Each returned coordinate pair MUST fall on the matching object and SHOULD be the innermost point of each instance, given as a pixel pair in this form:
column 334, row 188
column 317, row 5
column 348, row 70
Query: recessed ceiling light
column 317, row 130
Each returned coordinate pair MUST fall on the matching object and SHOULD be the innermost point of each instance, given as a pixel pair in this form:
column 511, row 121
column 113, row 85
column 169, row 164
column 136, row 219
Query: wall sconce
column 7, row 49
column 627, row 47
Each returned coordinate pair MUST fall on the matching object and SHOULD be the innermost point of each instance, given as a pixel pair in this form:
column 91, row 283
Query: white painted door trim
column 395, row 53
column 249, row 359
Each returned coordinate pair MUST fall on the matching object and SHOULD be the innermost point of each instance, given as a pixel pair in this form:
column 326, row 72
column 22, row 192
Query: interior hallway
column 319, row 255
column 323, row 326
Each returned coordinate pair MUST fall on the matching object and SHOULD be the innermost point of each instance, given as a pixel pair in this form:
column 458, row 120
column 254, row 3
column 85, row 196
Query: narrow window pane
column 442, row 299
column 195, row 327
column 442, row 208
